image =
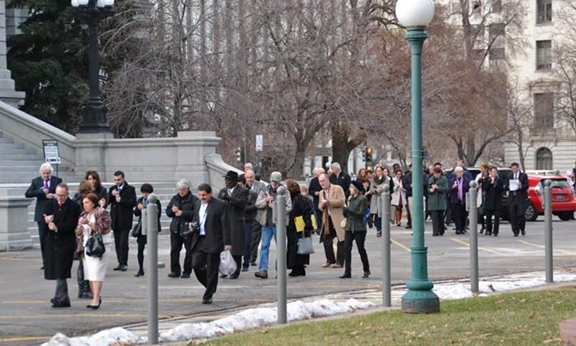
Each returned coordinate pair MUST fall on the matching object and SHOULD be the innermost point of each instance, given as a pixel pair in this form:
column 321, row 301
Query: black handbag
column 95, row 246
column 137, row 230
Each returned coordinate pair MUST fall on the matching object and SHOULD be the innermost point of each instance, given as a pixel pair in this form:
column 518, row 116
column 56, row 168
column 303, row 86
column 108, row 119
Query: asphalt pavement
column 26, row 316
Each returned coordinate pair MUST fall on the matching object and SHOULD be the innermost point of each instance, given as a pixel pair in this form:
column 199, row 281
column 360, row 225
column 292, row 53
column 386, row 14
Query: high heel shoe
column 95, row 307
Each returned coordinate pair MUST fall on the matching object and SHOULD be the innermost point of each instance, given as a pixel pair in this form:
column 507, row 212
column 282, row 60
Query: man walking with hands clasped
column 518, row 187
column 122, row 198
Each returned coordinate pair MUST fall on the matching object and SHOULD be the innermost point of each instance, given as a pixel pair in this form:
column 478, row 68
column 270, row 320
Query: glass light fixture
column 412, row 13
column 83, row 2
column 100, row 3
column 75, row 3
column 109, row 2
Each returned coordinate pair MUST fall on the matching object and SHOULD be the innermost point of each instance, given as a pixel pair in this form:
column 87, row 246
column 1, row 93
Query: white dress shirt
column 202, row 214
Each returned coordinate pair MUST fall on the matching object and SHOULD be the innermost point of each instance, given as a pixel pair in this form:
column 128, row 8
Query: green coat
column 437, row 200
column 355, row 214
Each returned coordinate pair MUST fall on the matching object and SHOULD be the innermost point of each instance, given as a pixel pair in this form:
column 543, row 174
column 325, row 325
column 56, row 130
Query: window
column 544, row 11
column 544, row 159
column 544, row 111
column 543, row 55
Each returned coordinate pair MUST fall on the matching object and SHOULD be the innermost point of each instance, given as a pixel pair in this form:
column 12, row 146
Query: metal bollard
column 386, row 257
column 473, row 212
column 548, row 231
column 152, row 240
column 281, row 254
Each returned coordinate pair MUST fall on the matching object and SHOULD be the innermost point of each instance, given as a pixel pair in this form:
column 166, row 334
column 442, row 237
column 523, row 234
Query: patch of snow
column 458, row 290
column 252, row 318
column 114, row 336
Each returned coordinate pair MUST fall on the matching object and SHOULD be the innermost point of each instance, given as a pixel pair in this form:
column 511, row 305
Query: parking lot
column 27, row 318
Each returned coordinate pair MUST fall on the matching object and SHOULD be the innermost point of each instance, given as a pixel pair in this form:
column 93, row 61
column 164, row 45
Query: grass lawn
column 525, row 318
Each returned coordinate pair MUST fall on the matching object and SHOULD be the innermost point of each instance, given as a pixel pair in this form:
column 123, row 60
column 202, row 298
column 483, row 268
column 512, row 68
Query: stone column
column 14, row 234
column 8, row 91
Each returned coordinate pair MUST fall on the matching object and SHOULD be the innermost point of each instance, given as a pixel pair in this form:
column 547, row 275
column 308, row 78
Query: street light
column 93, row 113
column 416, row 15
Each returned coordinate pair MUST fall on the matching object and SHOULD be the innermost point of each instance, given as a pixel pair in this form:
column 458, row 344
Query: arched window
column 544, row 159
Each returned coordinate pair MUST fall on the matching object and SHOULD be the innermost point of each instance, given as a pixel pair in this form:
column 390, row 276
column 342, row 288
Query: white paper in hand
column 514, row 185
column 227, row 263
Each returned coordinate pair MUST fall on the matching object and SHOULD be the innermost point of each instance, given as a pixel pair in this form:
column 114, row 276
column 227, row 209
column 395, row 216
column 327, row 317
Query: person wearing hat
column 355, row 228
column 266, row 217
column 235, row 197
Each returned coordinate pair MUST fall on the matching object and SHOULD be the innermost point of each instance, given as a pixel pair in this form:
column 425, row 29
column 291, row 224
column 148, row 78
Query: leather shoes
column 207, row 301
column 123, row 268
column 337, row 265
column 139, row 274
column 118, row 268
column 326, row 265
column 366, row 275
column 173, row 275
column 223, row 276
column 523, row 233
column 185, row 276
column 345, row 276
column 245, row 268
column 61, row 304
column 234, row 276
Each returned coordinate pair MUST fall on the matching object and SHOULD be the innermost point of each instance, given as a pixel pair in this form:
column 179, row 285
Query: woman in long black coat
column 300, row 208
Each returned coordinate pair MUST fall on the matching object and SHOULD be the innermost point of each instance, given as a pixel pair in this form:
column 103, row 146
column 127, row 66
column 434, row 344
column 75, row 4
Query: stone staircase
column 19, row 165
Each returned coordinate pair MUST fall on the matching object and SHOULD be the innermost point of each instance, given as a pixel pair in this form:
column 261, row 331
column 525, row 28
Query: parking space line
column 400, row 245
column 479, row 247
column 25, row 338
column 542, row 247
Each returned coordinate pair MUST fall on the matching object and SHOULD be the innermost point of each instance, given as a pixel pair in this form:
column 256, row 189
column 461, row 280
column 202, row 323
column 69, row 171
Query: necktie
column 59, row 203
column 46, row 184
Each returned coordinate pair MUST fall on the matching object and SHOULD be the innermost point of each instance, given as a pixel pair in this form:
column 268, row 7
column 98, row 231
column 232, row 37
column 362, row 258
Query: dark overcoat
column 121, row 213
column 235, row 216
column 61, row 245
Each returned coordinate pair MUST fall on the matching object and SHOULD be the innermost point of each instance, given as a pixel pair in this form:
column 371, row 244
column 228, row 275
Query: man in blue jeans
column 265, row 204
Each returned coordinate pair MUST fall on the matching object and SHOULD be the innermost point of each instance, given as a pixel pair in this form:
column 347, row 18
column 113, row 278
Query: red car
column 563, row 201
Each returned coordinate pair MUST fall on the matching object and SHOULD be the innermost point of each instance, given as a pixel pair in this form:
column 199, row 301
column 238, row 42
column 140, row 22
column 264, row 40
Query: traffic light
column 368, row 155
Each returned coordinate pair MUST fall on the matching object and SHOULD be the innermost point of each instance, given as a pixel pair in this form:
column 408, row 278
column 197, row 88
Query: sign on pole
column 259, row 142
column 51, row 152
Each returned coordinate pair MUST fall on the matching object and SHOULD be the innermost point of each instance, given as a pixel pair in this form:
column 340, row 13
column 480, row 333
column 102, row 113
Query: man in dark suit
column 43, row 188
column 209, row 239
column 340, row 178
column 235, row 197
column 459, row 187
column 493, row 187
column 122, row 198
column 61, row 217
column 518, row 196
column 255, row 187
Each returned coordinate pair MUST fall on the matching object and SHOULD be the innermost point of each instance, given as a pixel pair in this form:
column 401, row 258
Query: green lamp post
column 415, row 15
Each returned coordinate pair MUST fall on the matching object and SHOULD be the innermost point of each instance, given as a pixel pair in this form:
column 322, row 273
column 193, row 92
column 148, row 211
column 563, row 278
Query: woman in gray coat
column 437, row 188
column 376, row 188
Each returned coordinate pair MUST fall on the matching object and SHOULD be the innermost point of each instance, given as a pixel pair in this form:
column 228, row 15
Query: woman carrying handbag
column 356, row 229
column 299, row 227
column 94, row 233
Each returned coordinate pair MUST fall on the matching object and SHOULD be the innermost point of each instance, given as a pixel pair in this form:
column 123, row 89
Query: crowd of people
column 241, row 218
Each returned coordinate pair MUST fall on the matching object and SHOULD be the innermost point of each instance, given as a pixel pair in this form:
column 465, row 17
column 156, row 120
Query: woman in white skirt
column 94, row 219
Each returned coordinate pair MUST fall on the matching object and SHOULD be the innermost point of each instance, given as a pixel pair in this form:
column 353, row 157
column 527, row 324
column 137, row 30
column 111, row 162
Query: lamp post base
column 94, row 119
column 420, row 299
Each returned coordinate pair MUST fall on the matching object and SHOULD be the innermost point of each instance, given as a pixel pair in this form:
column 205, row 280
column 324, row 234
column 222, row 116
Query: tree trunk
column 470, row 152
column 297, row 171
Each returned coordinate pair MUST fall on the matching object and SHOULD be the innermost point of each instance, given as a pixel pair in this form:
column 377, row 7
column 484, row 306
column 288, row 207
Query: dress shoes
column 174, row 275
column 207, row 301
column 253, row 264
column 123, row 268
column 95, row 307
column 345, row 276
column 366, row 275
column 85, row 295
column 523, row 232
column 223, row 276
column 139, row 274
column 326, row 265
column 60, row 303
column 119, row 267
column 185, row 276
column 337, row 265
column 234, row 276
column 245, row 268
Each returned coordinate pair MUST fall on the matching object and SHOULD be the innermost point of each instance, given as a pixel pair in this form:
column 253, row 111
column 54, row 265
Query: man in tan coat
column 331, row 204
